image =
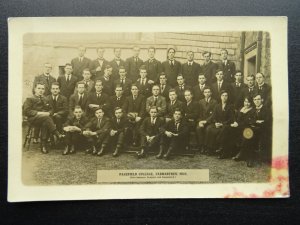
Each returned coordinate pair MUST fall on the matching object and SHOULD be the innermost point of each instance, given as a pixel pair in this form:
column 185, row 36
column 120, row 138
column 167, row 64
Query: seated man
column 173, row 104
column 59, row 105
column 78, row 98
column 117, row 100
column 73, row 129
column 97, row 131
column 143, row 83
column 123, row 81
column 107, row 81
column 174, row 132
column 89, row 84
column 118, row 131
column 181, row 87
column 150, row 132
column 199, row 88
column 38, row 111
column 164, row 87
column 157, row 101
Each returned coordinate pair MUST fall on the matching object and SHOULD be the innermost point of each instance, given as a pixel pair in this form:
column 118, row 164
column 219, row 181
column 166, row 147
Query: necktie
column 122, row 81
column 162, row 87
column 54, row 103
column 86, row 85
column 47, row 78
column 98, row 123
column 176, row 125
column 118, row 121
column 98, row 96
column 219, row 86
column 80, row 100
column 152, row 121
column 118, row 99
column 155, row 101
column 172, row 63
column 172, row 102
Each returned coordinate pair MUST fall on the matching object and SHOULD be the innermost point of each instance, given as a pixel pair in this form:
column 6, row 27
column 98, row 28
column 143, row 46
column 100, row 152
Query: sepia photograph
column 144, row 108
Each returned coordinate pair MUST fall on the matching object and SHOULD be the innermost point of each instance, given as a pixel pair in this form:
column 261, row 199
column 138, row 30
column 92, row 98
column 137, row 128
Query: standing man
column 220, row 85
column 153, row 66
column 237, row 90
column 123, row 81
column 209, row 68
column 171, row 67
column 250, row 89
column 80, row 63
column 79, row 98
column 228, row 67
column 98, row 65
column 156, row 100
column 164, row 87
column 190, row 70
column 45, row 78
column 108, row 85
column 263, row 89
column 181, row 87
column 67, row 82
column 133, row 64
column 88, row 83
column 116, row 63
column 199, row 88
column 143, row 83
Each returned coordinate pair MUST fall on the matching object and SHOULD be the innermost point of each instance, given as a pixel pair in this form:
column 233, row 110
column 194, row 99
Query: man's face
column 86, row 75
column 151, row 53
column 80, row 88
column 68, row 69
column 39, row 90
column 155, row 90
column 118, row 53
column 78, row 113
column 100, row 53
column 188, row 96
column 224, row 97
column 206, row 57
column 190, row 56
column 81, row 51
column 180, row 80
column 118, row 113
column 98, row 86
column 153, row 113
column 258, row 101
column 134, row 90
column 250, row 81
column 224, row 55
column 177, row 115
column 238, row 77
column 172, row 96
column 259, row 78
column 119, row 91
column 48, row 68
column 54, row 90
column 201, row 79
column 108, row 72
column 136, row 51
column 99, row 113
column 122, row 73
column 207, row 93
column 162, row 80
column 143, row 73
column 219, row 75
column 171, row 54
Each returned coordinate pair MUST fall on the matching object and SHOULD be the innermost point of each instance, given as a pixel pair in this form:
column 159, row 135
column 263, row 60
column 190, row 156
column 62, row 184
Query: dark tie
column 177, row 126
column 68, row 78
column 152, row 121
column 118, row 121
column 118, row 99
column 80, row 100
column 219, row 87
column 98, row 96
column 172, row 63
column 47, row 78
column 54, row 103
column 86, row 85
column 155, row 101
column 98, row 123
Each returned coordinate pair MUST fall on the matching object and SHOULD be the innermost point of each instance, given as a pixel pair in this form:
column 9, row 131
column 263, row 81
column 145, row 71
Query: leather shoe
column 66, row 151
column 94, row 151
column 100, row 153
column 44, row 150
column 116, row 152
column 141, row 154
column 160, row 154
column 35, row 141
column 72, row 150
column 167, row 155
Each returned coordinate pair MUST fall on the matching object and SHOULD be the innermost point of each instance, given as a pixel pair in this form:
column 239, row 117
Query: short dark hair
column 68, row 64
column 152, row 47
column 108, row 66
column 188, row 90
column 239, row 71
column 77, row 107
column 86, row 70
column 122, row 68
column 218, row 70
column 172, row 90
column 39, row 83
column 153, row 107
column 117, row 108
column 260, row 73
column 55, row 84
column 143, row 67
column 162, row 74
column 206, row 88
column 205, row 52
column 177, row 110
column 224, row 50
column 118, row 86
column 80, row 82
column 100, row 107
column 169, row 49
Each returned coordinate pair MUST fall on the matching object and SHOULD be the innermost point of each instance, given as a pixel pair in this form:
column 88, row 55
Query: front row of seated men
column 102, row 122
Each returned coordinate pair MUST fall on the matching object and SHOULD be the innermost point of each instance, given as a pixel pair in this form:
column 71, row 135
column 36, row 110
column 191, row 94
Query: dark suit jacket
column 237, row 95
column 180, row 93
column 43, row 79
column 190, row 73
column 108, row 86
column 182, row 129
column 78, row 67
column 115, row 66
column 165, row 92
column 144, row 89
column 216, row 93
column 171, row 108
column 225, row 117
column 74, row 100
column 94, row 64
column 207, row 109
column 153, row 69
column 209, row 71
column 171, row 71
column 104, row 127
column 228, row 70
column 191, row 111
column 88, row 87
column 147, row 129
column 161, row 102
column 67, row 88
column 246, row 92
column 198, row 93
column 61, row 106
column 121, row 126
column 116, row 103
column 72, row 121
column 132, row 68
column 264, row 114
column 102, row 101
column 126, row 86
column 33, row 105
column 138, row 106
column 265, row 92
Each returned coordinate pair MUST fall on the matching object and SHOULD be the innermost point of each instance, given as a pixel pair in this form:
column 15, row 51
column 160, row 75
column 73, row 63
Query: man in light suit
column 116, row 63
column 99, row 64
column 79, row 98
column 157, row 101
column 45, row 78
column 80, row 63
column 171, row 67
column 67, row 82
column 153, row 66
column 133, row 64
column 190, row 70
column 227, row 66
column 199, row 88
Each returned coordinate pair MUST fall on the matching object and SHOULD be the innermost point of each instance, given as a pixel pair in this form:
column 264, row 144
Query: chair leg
column 28, row 137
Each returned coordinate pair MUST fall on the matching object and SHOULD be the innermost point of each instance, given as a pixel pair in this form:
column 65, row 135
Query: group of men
column 154, row 105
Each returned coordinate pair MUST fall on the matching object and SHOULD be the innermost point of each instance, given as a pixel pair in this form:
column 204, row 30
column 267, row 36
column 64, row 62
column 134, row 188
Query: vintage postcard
column 147, row 107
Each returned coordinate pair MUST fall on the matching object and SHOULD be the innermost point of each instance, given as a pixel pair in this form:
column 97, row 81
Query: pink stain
column 280, row 162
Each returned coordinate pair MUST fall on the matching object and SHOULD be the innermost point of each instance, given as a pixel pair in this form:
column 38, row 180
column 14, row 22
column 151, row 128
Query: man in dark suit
column 209, row 68
column 79, row 98
column 117, row 100
column 97, row 99
column 118, row 131
column 88, row 83
column 207, row 106
column 263, row 89
column 220, row 85
column 153, row 66
column 199, row 88
column 97, row 131
column 171, row 67
column 135, row 107
column 67, row 82
column 156, row 100
column 116, row 63
column 228, row 67
column 173, row 104
column 45, row 78
column 80, row 63
column 73, row 130
column 133, row 64
column 174, row 132
column 250, row 89
column 237, row 90
column 98, row 65
column 108, row 84
column 143, row 83
column 37, row 109
column 59, row 106
column 190, row 70
column 123, row 81
column 151, row 132
column 164, row 87
column 181, row 87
